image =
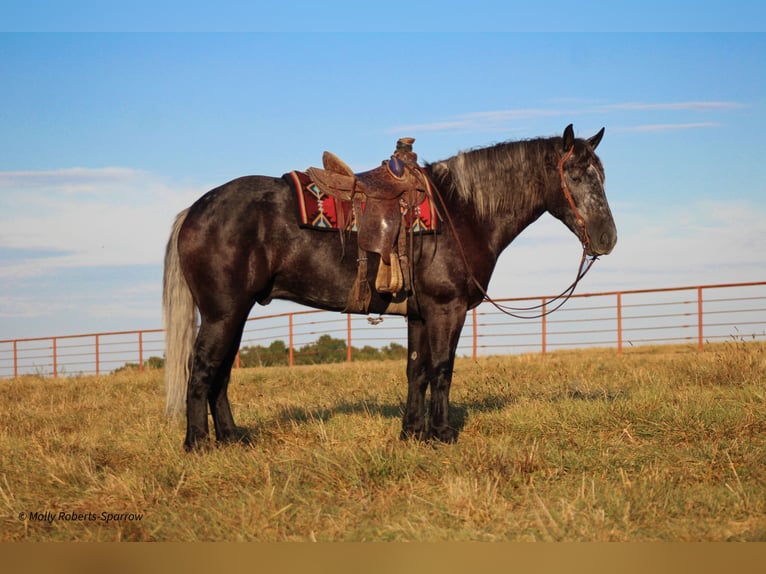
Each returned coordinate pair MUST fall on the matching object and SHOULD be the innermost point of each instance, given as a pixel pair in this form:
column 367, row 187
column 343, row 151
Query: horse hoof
column 447, row 435
column 238, row 436
column 418, row 435
column 199, row 445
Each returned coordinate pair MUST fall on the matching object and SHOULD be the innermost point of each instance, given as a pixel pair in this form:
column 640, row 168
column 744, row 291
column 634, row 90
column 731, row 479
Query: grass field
column 575, row 446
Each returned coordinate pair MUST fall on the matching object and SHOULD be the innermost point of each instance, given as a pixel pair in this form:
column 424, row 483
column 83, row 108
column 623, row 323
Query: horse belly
column 315, row 270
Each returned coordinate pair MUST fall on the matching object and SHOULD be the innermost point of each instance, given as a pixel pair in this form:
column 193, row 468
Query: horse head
column 579, row 199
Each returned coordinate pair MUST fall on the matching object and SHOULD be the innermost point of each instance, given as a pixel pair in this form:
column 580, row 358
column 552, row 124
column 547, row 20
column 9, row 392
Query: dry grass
column 572, row 446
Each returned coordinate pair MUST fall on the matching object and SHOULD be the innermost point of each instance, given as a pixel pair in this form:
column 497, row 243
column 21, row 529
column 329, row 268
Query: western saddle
column 381, row 199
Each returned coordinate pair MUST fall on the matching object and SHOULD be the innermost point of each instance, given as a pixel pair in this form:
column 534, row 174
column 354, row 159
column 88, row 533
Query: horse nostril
column 606, row 243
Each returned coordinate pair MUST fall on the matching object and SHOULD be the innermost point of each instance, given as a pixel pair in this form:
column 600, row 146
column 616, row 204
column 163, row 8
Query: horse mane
column 507, row 176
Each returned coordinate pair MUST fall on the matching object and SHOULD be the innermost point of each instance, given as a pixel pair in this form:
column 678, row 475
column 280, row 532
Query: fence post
column 544, row 329
column 97, row 357
column 619, row 323
column 140, row 351
column 55, row 360
column 474, row 354
column 290, row 339
column 699, row 318
column 348, row 337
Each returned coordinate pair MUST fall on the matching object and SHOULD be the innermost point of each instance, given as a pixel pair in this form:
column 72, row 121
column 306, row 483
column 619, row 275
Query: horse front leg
column 431, row 356
column 443, row 334
column 418, row 361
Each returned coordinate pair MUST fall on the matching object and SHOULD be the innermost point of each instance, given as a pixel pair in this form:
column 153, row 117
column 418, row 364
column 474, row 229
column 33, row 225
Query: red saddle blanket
column 318, row 210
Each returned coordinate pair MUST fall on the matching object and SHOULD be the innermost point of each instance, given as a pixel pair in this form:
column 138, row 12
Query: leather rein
column 585, row 262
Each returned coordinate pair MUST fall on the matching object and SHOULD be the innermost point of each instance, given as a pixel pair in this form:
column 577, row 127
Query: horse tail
column 179, row 315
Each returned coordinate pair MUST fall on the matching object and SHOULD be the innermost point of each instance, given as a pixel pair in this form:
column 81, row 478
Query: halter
column 582, row 268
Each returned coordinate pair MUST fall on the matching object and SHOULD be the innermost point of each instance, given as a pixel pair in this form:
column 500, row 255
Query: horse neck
column 500, row 189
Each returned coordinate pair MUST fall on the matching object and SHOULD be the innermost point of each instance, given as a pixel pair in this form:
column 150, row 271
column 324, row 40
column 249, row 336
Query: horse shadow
column 460, row 413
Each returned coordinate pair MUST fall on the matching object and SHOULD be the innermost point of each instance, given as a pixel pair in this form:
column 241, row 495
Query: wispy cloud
column 692, row 106
column 443, row 126
column 669, row 127
column 496, row 120
column 84, row 217
column 70, row 180
column 706, row 235
column 480, row 121
column 75, row 242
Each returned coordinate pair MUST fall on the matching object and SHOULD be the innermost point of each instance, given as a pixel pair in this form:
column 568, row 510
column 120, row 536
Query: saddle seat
column 380, row 199
column 388, row 181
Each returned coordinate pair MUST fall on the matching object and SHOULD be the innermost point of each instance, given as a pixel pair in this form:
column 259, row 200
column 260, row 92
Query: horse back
column 242, row 242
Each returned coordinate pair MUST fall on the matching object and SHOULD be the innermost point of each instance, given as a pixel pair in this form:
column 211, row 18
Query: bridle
column 585, row 238
column 585, row 262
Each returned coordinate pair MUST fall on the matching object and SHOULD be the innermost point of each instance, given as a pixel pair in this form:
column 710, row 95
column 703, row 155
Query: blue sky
column 105, row 136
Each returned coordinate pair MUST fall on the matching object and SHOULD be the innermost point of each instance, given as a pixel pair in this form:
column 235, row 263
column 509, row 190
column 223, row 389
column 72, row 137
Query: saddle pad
column 318, row 210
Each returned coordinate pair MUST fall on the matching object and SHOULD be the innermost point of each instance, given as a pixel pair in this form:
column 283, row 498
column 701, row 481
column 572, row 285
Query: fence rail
column 681, row 315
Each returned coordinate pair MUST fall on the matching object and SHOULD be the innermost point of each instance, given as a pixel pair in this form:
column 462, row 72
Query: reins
column 585, row 262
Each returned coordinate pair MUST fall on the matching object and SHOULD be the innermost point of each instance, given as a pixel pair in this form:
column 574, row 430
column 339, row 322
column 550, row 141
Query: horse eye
column 595, row 173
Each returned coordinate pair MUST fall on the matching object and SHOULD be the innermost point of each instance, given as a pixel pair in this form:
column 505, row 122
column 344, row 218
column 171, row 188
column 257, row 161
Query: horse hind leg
column 218, row 398
column 215, row 349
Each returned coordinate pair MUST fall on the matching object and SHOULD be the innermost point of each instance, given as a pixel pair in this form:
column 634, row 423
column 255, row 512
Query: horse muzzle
column 602, row 243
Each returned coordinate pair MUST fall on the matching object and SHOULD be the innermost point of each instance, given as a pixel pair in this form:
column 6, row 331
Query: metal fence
column 679, row 315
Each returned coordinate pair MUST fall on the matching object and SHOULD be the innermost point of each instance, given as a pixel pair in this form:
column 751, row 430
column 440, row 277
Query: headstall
column 585, row 262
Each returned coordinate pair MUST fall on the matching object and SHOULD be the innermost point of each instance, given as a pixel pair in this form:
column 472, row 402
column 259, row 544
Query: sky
column 107, row 132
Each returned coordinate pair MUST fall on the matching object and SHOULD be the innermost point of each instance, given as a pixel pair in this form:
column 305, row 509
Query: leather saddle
column 380, row 199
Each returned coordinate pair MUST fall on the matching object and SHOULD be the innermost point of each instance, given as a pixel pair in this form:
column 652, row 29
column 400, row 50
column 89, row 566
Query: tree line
column 326, row 349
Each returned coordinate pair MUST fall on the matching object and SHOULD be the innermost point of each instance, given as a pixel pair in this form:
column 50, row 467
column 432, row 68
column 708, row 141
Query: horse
column 241, row 244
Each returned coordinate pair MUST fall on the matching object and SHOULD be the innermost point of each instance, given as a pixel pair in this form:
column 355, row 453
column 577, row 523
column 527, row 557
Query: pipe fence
column 691, row 316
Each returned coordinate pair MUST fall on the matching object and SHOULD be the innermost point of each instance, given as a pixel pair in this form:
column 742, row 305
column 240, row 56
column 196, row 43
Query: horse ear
column 568, row 137
column 595, row 140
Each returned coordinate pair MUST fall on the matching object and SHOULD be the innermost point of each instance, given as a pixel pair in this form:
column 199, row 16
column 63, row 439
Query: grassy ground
column 572, row 446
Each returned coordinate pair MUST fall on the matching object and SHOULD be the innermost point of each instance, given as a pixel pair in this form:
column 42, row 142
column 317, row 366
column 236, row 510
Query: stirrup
column 389, row 278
